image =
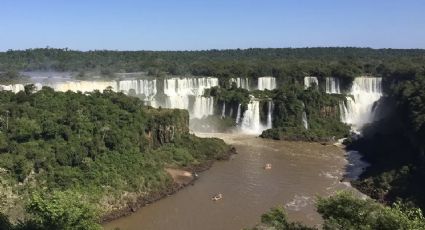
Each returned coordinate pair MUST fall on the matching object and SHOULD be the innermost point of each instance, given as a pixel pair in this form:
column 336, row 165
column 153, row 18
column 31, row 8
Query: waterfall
column 251, row 118
column 223, row 110
column 179, row 90
column 83, row 86
column 241, row 82
column 238, row 114
column 126, row 85
column 310, row 81
column 15, row 88
column 203, row 106
column 304, row 120
column 270, row 115
column 38, row 86
column 266, row 83
column 147, row 88
column 359, row 107
column 333, row 85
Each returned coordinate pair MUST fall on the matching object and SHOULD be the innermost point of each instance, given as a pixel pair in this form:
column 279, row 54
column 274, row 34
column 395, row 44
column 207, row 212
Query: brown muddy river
column 300, row 171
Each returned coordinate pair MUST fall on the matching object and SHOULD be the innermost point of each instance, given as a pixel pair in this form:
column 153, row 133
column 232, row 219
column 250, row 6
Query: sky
column 210, row 24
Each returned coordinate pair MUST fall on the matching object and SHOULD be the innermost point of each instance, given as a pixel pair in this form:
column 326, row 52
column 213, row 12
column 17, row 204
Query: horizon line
column 203, row 50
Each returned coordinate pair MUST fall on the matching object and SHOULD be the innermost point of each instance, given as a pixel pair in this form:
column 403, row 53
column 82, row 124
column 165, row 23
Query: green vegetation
column 321, row 110
column 12, row 77
column 62, row 210
column 395, row 146
column 290, row 101
column 276, row 219
column 107, row 149
column 345, row 211
column 232, row 96
column 287, row 65
column 100, row 149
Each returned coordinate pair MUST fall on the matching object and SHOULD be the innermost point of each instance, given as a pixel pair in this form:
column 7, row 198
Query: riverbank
column 300, row 171
column 182, row 177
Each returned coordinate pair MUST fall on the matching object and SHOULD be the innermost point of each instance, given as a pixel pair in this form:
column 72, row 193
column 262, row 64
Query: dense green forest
column 345, row 211
column 73, row 155
column 286, row 64
column 321, row 109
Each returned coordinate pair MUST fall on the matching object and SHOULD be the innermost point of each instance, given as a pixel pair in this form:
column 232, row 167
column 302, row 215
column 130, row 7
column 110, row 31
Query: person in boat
column 217, row 197
column 268, row 166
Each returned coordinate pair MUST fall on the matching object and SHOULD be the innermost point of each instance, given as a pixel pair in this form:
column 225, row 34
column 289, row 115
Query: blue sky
column 210, row 24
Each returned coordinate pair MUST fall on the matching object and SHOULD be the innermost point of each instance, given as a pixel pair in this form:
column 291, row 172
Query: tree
column 62, row 210
column 345, row 211
column 276, row 219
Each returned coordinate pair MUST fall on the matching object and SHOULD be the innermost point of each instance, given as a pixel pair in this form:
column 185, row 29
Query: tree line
column 284, row 63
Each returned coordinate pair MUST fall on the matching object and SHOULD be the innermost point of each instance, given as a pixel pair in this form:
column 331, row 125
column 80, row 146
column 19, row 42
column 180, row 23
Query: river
column 300, row 171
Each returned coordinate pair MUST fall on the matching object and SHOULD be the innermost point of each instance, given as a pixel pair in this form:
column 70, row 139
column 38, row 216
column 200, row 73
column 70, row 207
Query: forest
column 68, row 159
column 286, row 64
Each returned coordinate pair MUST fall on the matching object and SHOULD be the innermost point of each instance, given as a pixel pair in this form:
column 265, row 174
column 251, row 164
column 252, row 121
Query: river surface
column 300, row 171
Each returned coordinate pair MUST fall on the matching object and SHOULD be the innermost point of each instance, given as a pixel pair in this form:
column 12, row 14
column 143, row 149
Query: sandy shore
column 180, row 176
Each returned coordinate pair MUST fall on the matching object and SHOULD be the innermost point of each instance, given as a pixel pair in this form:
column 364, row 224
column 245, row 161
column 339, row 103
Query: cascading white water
column 269, row 115
column 266, row 83
column 238, row 114
column 304, row 120
column 179, row 90
column 147, row 88
column 83, row 86
column 126, row 85
column 15, row 88
column 241, row 82
column 333, row 85
column 251, row 118
column 38, row 86
column 359, row 108
column 223, row 110
column 310, row 81
column 203, row 106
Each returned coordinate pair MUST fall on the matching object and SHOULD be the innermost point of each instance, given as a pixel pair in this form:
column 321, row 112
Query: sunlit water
column 300, row 171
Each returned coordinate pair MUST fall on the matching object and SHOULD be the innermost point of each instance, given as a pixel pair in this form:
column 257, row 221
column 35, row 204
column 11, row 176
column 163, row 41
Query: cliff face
column 330, row 111
column 165, row 126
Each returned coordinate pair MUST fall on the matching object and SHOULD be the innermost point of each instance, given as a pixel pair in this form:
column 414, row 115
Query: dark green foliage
column 344, row 211
column 66, row 210
column 276, row 219
column 62, row 210
column 232, row 96
column 395, row 145
column 4, row 222
column 287, row 65
column 97, row 145
column 321, row 110
column 410, row 96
